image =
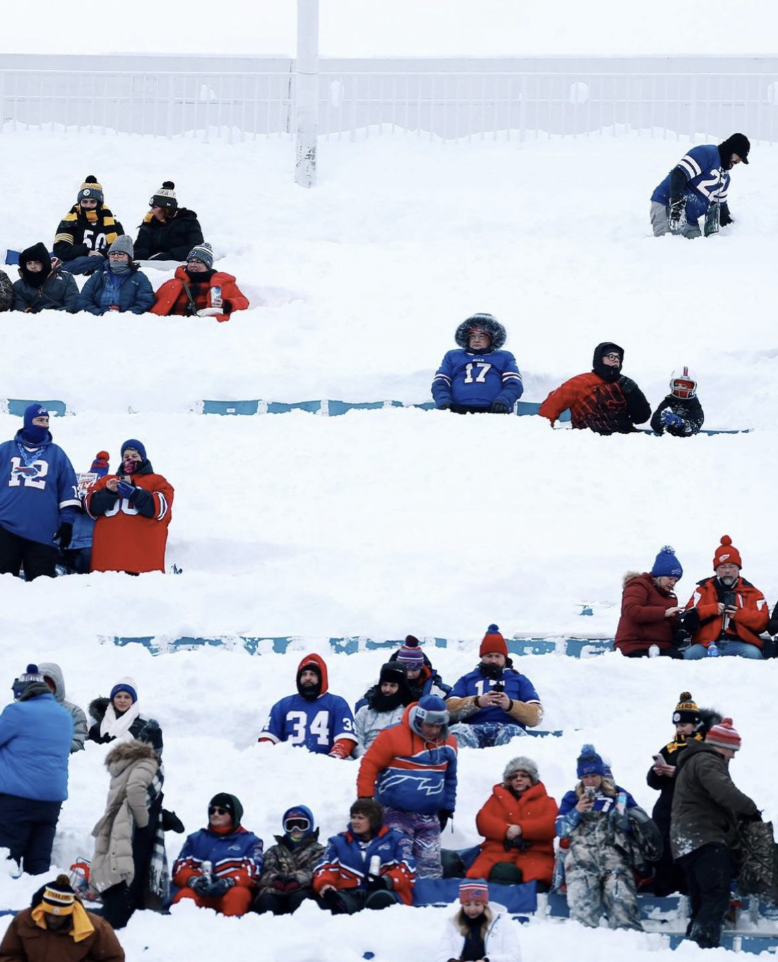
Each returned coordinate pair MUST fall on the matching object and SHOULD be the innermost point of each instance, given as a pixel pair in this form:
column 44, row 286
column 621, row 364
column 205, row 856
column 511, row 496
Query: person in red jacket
column 650, row 614
column 132, row 510
column 517, row 822
column 605, row 401
column 198, row 289
column 727, row 610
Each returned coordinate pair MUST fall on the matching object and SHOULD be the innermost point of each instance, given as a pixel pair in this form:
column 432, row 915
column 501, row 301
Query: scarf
column 81, row 928
column 119, row 727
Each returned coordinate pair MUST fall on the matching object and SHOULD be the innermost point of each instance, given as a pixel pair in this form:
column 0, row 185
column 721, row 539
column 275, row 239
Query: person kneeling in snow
column 477, row 931
column 493, row 702
column 219, row 866
column 132, row 510
column 478, row 377
column 314, row 717
column 369, row 866
column 680, row 413
column 287, row 874
column 385, row 705
column 120, row 287
column 198, row 289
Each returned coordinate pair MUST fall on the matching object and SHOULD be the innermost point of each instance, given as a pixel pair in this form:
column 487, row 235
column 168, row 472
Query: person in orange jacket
column 198, row 289
column 517, row 823
column 605, row 400
column 726, row 609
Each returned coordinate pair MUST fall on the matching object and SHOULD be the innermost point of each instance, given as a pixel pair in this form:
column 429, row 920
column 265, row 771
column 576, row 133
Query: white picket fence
column 360, row 99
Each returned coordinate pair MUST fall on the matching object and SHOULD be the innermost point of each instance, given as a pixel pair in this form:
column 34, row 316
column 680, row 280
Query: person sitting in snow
column 168, row 232
column 197, row 289
column 369, row 866
column 219, row 866
column 605, row 400
column 87, row 231
column 423, row 679
column 478, row 377
column 132, row 511
column 680, row 413
column 287, row 873
column 494, row 702
column 384, row 705
column 121, row 287
column 650, row 613
column 42, row 284
column 411, row 769
column 478, row 931
column 6, row 292
column 314, row 717
column 119, row 717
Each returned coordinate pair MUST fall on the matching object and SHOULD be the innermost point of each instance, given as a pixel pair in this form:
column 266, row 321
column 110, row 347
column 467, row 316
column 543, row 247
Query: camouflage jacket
column 298, row 862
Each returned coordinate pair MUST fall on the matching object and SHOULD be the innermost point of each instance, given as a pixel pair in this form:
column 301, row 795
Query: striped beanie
column 686, row 710
column 724, row 735
column 411, row 654
column 58, row 897
column 493, row 643
column 473, row 891
column 165, row 197
column 90, row 190
column 202, row 252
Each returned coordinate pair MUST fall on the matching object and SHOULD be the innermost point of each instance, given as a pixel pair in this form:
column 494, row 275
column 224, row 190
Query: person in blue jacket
column 35, row 737
column 121, row 287
column 479, row 377
column 494, row 703
column 77, row 559
column 697, row 187
column 38, row 498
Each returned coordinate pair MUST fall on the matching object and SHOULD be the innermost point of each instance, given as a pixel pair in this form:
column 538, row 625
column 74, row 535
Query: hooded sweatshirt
column 51, row 670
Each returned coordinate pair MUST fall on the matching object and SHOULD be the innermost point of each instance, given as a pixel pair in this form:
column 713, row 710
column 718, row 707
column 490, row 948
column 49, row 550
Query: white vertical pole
column 307, row 92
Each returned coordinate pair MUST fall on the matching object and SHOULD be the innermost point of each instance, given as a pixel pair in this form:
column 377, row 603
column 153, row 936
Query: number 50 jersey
column 475, row 380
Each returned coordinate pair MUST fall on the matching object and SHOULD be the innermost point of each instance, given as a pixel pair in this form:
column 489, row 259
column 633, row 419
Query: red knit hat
column 476, row 891
column 724, row 735
column 726, row 553
column 493, row 643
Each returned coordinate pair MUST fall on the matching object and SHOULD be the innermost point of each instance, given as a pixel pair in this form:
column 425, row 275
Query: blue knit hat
column 134, row 443
column 589, row 762
column 666, row 564
column 127, row 685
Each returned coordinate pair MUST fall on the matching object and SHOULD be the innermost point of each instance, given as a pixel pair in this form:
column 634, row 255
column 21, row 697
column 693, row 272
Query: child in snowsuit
column 680, row 413
column 287, row 873
column 598, row 865
column 77, row 558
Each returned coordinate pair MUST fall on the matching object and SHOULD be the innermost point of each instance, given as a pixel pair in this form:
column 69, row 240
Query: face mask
column 119, row 267
column 130, row 466
column 35, row 434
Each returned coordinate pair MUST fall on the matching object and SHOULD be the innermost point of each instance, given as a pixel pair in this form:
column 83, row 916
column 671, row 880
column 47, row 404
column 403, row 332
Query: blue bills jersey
column 706, row 182
column 315, row 724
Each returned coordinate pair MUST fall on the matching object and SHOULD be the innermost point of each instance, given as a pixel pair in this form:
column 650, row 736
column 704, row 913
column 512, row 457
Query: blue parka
column 35, row 737
column 133, row 292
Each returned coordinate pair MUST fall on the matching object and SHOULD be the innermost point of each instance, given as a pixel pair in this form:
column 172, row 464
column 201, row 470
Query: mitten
column 64, row 534
column 498, row 407
column 676, row 217
column 199, row 884
column 724, row 215
column 626, row 384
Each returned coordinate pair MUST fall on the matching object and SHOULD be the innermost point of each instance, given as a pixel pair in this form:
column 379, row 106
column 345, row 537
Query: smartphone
column 728, row 597
column 498, row 686
column 590, row 791
column 659, row 759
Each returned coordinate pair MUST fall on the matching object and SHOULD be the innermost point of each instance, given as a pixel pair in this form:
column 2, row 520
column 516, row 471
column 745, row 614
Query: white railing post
column 306, row 92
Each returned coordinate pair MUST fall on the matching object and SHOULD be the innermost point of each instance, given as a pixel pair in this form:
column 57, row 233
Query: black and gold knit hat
column 165, row 197
column 686, row 710
column 59, row 897
column 90, row 190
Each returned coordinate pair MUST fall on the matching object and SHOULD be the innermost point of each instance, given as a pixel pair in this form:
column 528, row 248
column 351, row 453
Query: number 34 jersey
column 475, row 380
column 315, row 724
column 706, row 182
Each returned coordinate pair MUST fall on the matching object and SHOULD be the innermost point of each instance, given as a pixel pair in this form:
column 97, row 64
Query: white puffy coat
column 502, row 941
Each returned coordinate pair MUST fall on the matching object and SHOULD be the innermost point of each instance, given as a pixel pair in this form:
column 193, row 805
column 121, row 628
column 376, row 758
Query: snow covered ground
column 395, row 521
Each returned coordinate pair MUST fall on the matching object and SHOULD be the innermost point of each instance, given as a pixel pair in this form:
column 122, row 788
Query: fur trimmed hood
column 126, row 753
column 630, row 576
column 486, row 322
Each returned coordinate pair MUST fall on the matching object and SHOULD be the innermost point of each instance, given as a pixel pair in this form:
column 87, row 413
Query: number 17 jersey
column 475, row 380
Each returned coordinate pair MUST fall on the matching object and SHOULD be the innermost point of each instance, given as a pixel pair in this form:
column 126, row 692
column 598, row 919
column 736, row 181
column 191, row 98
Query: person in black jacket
column 6, row 292
column 87, row 231
column 168, row 232
column 680, row 413
column 43, row 285
column 119, row 718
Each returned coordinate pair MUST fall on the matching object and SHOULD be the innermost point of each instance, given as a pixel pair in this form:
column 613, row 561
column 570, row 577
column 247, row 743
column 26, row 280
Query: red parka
column 535, row 812
column 751, row 618
column 643, row 622
column 172, row 299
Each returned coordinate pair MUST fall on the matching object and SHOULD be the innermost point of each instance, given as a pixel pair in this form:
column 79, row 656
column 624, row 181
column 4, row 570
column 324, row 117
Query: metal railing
column 356, row 104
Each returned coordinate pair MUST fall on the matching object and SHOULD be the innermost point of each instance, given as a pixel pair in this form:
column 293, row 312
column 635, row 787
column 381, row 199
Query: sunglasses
column 218, row 810
column 292, row 823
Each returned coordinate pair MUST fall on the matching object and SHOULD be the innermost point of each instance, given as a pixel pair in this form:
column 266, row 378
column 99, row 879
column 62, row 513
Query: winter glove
column 199, row 884
column 626, row 384
column 671, row 420
column 498, row 407
column 279, row 884
column 341, row 749
column 518, row 843
column 219, row 887
column 291, row 885
column 724, row 215
column 209, row 312
column 379, row 883
column 334, row 902
column 444, row 406
column 125, row 490
column 676, row 217
column 443, row 817
column 64, row 534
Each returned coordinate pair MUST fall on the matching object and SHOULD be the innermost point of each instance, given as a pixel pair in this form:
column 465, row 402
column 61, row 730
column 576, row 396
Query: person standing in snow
column 680, row 413
column 478, row 377
column 38, row 498
column 42, row 284
column 197, row 289
column 87, row 231
column 314, row 717
column 132, row 510
column 703, row 828
column 411, row 769
column 121, row 287
column 494, row 703
column 477, row 931
column 119, row 717
column 605, row 400
column 35, row 738
column 53, row 677
column 369, row 866
column 77, row 559
column 697, row 187
column 219, row 866
column 385, row 704
column 287, row 873
column 726, row 609
column 650, row 614
column 598, row 864
column 517, row 823
column 168, row 232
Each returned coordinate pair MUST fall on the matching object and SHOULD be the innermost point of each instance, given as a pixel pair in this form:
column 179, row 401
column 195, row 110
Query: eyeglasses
column 218, row 810
column 612, row 357
column 300, row 823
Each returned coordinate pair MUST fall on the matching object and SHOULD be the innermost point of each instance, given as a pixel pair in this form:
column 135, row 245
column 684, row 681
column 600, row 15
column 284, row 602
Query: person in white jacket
column 478, row 931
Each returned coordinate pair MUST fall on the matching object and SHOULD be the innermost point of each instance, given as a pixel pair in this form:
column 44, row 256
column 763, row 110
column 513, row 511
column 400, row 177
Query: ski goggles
column 296, row 822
